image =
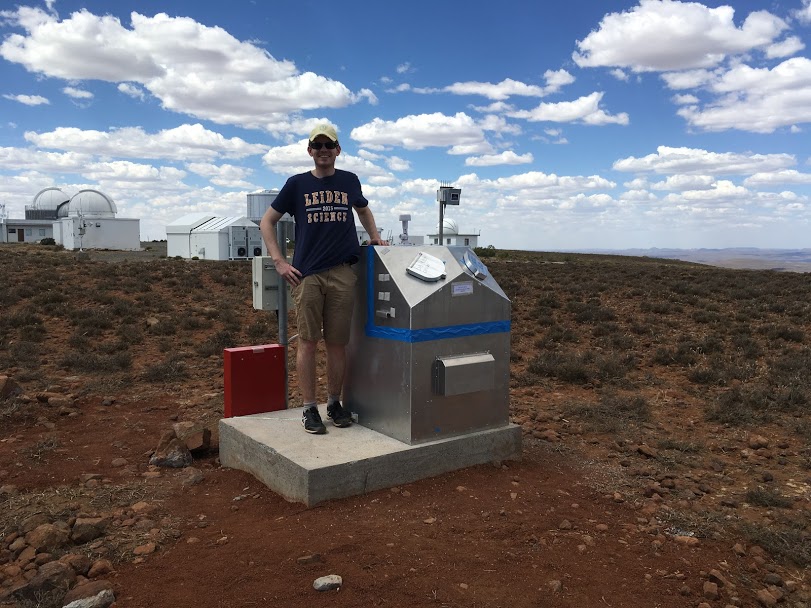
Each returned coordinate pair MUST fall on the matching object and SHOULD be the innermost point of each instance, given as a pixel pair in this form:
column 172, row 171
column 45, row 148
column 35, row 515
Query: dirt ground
column 650, row 475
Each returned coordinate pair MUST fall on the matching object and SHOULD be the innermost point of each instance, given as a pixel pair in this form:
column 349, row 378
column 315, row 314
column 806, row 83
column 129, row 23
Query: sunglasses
column 329, row 145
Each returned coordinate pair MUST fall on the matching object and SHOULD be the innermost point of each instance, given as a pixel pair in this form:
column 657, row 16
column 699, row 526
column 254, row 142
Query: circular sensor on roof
column 475, row 266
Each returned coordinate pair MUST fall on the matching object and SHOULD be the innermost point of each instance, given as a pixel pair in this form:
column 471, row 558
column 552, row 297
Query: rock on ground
column 328, row 583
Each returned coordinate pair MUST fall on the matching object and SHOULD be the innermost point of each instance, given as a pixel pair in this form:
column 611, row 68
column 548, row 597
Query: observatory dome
column 449, row 226
column 49, row 199
column 91, row 203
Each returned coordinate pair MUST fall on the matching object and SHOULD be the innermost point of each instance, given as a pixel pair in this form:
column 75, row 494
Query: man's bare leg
column 336, row 366
column 305, row 367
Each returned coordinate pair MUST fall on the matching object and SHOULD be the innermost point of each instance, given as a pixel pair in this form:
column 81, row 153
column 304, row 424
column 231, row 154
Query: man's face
column 324, row 157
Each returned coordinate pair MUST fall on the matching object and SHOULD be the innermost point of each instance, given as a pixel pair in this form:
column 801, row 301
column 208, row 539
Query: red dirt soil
column 574, row 523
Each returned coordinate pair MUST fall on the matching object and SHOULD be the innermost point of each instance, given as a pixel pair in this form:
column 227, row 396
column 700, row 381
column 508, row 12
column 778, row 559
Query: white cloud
column 772, row 178
column 499, row 92
column 757, row 99
column 121, row 172
column 691, row 161
column 619, row 74
column 637, row 196
column 404, row 68
column 689, row 79
column 684, row 100
column 538, row 185
column 639, row 183
column 499, row 125
column 681, row 183
column 508, row 157
column 555, row 80
column 290, row 159
column 585, row 109
column 380, row 180
column 400, row 88
column 226, row 176
column 785, row 48
column 186, row 142
column 416, row 132
column 367, row 155
column 496, row 106
column 29, row 100
column 722, row 190
column 131, row 90
column 395, row 163
column 665, row 35
column 468, row 149
column 22, row 187
column 77, row 93
column 190, row 67
column 804, row 13
column 38, row 160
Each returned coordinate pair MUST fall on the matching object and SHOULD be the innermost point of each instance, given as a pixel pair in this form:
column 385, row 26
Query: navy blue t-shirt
column 325, row 224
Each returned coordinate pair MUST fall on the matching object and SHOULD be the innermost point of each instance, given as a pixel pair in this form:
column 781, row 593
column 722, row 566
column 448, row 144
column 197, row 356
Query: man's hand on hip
column 288, row 272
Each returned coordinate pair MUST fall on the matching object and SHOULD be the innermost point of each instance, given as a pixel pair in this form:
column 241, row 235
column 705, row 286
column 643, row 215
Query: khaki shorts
column 326, row 300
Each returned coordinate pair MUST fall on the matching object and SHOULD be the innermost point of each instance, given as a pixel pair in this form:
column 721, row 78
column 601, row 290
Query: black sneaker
column 339, row 416
column 311, row 420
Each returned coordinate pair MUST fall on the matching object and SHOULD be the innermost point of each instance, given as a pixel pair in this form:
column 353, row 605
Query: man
column 323, row 282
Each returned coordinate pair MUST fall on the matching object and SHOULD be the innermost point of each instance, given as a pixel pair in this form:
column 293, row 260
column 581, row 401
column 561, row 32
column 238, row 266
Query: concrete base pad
column 306, row 468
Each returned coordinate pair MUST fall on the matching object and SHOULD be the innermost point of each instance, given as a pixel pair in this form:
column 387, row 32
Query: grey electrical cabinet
column 267, row 285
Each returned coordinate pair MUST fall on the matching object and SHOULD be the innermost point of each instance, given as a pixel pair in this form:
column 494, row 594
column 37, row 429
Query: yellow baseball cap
column 324, row 129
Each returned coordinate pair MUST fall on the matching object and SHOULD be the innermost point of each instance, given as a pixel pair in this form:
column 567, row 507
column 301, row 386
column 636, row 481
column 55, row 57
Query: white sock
column 332, row 399
column 309, row 405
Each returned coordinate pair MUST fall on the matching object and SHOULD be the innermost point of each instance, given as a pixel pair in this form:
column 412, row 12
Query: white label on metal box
column 462, row 289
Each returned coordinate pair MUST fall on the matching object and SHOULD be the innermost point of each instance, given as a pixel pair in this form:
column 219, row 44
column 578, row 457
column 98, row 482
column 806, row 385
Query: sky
column 590, row 124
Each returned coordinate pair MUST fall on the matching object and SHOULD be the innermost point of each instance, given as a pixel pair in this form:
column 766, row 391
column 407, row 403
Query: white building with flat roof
column 211, row 237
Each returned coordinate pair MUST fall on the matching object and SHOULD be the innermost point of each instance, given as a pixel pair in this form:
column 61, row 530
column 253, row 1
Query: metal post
column 281, row 237
column 441, row 221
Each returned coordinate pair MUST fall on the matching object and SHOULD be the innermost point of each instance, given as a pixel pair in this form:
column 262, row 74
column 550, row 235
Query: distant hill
column 786, row 260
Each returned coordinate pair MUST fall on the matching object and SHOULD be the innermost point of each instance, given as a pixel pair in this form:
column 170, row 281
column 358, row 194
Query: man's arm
column 268, row 228
column 367, row 220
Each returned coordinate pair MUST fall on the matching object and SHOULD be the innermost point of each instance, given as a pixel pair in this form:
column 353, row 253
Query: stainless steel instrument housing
column 428, row 360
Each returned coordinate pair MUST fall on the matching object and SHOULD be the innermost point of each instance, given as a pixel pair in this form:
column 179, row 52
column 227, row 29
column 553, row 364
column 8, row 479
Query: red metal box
column 254, row 379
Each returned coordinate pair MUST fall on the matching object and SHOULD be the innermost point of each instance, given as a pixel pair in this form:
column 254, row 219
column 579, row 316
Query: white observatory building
column 452, row 236
column 88, row 221
column 39, row 218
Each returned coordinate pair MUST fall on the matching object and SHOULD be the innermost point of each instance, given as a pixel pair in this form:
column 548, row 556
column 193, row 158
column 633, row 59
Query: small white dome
column 49, row 199
column 449, row 226
column 92, row 203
